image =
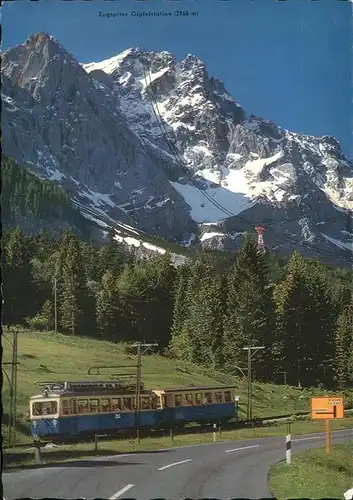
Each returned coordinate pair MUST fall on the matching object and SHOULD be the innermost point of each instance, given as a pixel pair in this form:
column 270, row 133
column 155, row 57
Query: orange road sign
column 327, row 408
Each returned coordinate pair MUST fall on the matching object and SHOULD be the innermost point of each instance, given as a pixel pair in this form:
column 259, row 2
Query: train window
column 227, row 396
column 198, row 398
column 83, row 405
column 164, row 401
column 105, row 405
column 188, row 399
column 116, row 404
column 177, row 399
column 45, row 408
column 219, row 397
column 65, row 406
column 73, row 406
column 154, row 402
column 208, row 398
column 94, row 405
column 127, row 404
column 145, row 403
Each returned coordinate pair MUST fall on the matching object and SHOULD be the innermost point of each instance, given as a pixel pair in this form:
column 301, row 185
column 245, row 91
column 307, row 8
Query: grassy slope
column 48, row 357
column 333, row 474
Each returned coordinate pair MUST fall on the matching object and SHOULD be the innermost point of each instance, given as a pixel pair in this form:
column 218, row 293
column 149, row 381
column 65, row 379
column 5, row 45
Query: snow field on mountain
column 203, row 210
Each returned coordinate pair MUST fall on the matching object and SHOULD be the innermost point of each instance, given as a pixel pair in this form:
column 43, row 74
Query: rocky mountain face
column 146, row 140
column 58, row 121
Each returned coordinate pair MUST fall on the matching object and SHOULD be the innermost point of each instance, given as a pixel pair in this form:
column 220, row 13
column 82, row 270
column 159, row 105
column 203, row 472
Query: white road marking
column 110, row 457
column 243, row 448
column 175, row 463
column 306, row 439
column 121, row 492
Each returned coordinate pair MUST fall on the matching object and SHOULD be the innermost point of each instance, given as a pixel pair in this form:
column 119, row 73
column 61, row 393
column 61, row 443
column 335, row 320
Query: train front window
column 227, row 396
column 44, row 408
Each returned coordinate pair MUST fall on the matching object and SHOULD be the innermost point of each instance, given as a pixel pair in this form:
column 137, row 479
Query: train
column 76, row 409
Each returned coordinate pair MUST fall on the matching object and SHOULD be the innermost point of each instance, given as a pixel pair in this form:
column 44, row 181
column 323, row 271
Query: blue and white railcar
column 72, row 409
column 64, row 412
column 198, row 404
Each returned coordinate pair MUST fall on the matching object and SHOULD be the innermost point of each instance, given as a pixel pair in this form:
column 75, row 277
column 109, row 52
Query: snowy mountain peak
column 144, row 137
column 113, row 63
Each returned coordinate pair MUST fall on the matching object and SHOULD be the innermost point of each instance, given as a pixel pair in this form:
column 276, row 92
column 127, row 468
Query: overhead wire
column 176, row 153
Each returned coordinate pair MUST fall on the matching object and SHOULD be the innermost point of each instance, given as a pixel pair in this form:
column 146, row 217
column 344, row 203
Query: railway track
column 185, row 429
column 177, row 431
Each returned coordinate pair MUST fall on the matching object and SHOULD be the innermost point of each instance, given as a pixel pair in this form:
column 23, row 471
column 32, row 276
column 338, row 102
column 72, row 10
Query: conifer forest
column 204, row 311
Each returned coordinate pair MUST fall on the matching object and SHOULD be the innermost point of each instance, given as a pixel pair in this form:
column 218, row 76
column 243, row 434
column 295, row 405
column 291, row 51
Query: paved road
column 233, row 469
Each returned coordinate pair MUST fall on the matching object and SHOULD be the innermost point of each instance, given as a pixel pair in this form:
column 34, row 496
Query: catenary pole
column 147, row 346
column 254, row 350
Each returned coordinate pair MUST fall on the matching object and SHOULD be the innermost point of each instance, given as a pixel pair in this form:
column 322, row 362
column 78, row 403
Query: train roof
column 89, row 385
column 85, row 394
column 111, row 388
column 193, row 389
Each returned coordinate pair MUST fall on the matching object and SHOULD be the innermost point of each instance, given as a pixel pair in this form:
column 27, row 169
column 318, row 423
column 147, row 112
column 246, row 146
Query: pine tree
column 249, row 319
column 290, row 296
column 180, row 343
column 305, row 316
column 207, row 330
column 113, row 256
column 163, row 274
column 47, row 314
column 17, row 279
column 201, row 330
column 72, row 292
column 193, row 320
column 107, row 308
column 321, row 318
column 343, row 340
column 146, row 293
column 90, row 256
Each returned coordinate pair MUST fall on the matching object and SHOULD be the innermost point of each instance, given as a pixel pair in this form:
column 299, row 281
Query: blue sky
column 286, row 61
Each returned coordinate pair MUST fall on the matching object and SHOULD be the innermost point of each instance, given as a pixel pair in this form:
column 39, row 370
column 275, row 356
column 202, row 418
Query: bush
column 128, row 349
column 38, row 322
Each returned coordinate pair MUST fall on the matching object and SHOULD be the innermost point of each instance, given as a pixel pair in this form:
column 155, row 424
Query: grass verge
column 314, row 474
column 14, row 458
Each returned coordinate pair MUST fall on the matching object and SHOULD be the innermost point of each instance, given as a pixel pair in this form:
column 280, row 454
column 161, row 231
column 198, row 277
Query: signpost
column 327, row 409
